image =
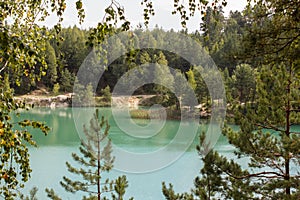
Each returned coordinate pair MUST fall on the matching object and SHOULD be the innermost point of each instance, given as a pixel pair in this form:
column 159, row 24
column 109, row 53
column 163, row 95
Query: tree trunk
column 98, row 170
column 287, row 132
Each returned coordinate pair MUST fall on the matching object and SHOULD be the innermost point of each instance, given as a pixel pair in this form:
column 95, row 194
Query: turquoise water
column 48, row 160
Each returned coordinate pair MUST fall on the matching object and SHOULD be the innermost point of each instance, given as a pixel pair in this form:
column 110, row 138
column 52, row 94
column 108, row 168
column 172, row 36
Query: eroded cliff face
column 43, row 101
column 66, row 100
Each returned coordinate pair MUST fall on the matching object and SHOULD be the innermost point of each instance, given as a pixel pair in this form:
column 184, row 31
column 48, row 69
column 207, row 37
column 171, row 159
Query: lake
column 48, row 160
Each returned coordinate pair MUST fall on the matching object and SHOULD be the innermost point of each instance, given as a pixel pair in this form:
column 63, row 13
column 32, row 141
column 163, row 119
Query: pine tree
column 79, row 90
column 213, row 34
column 106, row 94
column 201, row 88
column 162, row 75
column 51, row 74
column 66, row 81
column 243, row 83
column 89, row 95
column 73, row 48
column 180, row 87
column 189, row 99
column 95, row 159
column 266, row 137
column 191, row 79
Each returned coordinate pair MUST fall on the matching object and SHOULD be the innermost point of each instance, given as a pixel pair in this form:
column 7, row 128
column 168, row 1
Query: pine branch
column 258, row 175
column 293, row 132
column 269, row 126
column 96, row 159
column 295, row 110
column 277, row 166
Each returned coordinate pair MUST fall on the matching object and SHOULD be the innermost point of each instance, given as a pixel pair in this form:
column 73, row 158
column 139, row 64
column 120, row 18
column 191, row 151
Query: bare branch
column 259, row 175
column 4, row 66
column 269, row 126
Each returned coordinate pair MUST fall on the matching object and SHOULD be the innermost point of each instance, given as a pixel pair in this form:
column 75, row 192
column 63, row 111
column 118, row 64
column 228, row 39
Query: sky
column 94, row 10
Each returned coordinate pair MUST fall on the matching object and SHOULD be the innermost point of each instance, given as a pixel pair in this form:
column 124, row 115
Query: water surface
column 48, row 160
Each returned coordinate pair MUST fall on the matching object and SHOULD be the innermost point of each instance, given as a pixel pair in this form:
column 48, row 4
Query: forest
column 220, row 36
column 64, row 57
column 255, row 50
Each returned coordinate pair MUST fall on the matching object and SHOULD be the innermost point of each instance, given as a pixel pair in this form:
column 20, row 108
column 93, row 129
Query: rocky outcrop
column 130, row 101
column 66, row 100
column 44, row 101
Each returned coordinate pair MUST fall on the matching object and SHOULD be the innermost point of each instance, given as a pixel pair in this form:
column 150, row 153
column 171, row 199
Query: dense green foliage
column 71, row 52
column 257, row 50
column 265, row 141
column 14, row 162
column 22, row 61
column 25, row 58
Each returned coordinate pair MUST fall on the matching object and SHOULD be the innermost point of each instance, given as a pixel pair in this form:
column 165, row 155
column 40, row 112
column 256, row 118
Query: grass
column 155, row 114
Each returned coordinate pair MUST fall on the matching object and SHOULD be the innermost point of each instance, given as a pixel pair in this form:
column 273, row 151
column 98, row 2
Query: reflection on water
column 48, row 160
column 63, row 132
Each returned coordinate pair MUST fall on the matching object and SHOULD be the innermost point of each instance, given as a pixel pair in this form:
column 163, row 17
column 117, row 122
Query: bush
column 106, row 93
column 56, row 88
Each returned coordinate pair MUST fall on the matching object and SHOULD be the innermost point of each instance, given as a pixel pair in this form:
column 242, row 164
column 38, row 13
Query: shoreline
column 134, row 103
column 63, row 100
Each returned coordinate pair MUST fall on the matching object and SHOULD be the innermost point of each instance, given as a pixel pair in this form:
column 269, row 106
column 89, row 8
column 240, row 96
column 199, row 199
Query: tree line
column 220, row 36
column 259, row 46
